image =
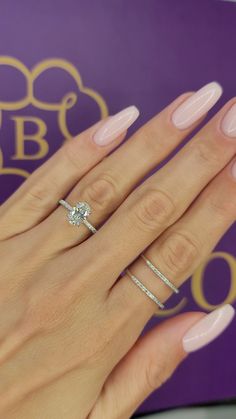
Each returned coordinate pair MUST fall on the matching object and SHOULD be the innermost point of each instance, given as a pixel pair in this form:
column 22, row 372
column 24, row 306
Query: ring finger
column 107, row 185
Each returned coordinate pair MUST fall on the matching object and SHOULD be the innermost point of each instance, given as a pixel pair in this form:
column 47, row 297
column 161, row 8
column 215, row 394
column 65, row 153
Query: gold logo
column 198, row 279
column 61, row 108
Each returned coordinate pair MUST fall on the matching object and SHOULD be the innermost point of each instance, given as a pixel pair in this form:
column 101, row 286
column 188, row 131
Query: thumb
column 154, row 358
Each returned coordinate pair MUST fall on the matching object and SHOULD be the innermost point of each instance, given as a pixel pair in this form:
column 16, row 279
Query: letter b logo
column 40, row 130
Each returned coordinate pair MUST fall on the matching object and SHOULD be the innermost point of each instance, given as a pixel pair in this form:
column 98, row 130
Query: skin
column 70, row 331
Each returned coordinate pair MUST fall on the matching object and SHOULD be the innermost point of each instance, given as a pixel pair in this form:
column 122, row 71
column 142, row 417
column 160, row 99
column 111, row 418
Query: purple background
column 132, row 52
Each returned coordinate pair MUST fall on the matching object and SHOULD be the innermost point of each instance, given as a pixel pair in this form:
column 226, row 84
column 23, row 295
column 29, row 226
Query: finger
column 164, row 197
column 182, row 247
column 107, row 185
column 39, row 194
column 148, row 365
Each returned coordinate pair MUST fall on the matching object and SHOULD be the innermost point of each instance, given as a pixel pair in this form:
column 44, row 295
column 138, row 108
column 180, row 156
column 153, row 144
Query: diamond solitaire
column 78, row 214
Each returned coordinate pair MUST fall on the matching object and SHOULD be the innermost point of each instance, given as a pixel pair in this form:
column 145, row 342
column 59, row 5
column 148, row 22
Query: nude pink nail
column 115, row 125
column 196, row 105
column 228, row 124
column 208, row 328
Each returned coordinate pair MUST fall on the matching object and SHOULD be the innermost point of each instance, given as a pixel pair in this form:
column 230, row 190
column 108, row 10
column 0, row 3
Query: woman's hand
column 70, row 325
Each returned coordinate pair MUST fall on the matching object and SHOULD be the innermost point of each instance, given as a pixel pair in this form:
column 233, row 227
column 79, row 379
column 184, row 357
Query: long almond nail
column 196, row 105
column 115, row 125
column 208, row 328
column 228, row 124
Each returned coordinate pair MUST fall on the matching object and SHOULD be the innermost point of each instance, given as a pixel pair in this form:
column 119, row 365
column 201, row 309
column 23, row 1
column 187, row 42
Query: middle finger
column 165, row 196
column 107, row 185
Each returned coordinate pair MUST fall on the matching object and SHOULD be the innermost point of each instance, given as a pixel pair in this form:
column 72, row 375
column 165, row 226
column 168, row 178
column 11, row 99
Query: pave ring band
column 144, row 289
column 158, row 273
column 78, row 214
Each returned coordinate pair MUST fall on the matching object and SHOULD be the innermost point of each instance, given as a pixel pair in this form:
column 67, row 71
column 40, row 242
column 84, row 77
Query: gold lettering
column 198, row 276
column 37, row 137
column 175, row 310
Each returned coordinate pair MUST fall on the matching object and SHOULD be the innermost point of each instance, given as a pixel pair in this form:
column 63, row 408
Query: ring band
column 78, row 214
column 144, row 289
column 158, row 273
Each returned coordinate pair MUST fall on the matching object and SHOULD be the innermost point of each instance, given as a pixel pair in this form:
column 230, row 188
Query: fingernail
column 196, row 105
column 208, row 328
column 228, row 124
column 115, row 125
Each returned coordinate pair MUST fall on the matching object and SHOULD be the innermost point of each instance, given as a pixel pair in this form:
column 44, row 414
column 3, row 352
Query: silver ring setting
column 158, row 273
column 145, row 290
column 78, row 214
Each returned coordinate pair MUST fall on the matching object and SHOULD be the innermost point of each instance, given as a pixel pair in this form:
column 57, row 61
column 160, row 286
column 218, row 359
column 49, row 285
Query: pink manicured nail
column 115, row 125
column 196, row 105
column 228, row 124
column 208, row 328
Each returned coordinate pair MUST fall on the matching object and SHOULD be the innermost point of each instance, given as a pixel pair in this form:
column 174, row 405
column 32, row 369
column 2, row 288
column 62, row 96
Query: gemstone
column 79, row 213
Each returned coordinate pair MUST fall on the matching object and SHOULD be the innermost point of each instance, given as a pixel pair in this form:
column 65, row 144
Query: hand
column 70, row 324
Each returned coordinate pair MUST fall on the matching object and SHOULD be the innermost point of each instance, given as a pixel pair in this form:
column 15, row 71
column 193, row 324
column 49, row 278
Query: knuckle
column 38, row 197
column 71, row 154
column 179, row 252
column 204, row 153
column 157, row 373
column 153, row 210
column 102, row 192
column 222, row 207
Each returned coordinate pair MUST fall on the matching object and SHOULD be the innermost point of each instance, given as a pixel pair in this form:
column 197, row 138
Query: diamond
column 79, row 213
